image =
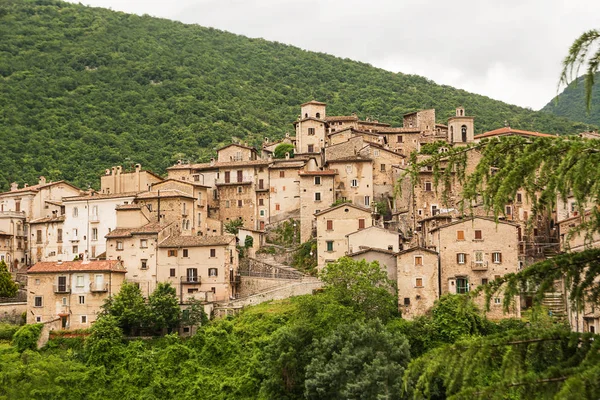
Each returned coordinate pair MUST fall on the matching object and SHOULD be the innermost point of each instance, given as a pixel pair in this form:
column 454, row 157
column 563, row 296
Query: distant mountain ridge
column 82, row 89
column 571, row 103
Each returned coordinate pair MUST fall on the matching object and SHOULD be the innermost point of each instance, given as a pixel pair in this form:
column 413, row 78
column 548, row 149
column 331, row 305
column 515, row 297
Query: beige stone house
column 418, row 281
column 72, row 291
column 311, row 128
column 474, row 251
column 386, row 259
column 203, row 267
column 284, row 189
column 316, row 194
column 47, row 238
column 374, row 237
column 333, row 224
column 116, row 181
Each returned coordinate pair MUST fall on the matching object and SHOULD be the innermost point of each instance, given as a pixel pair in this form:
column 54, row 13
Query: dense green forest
column 344, row 342
column 571, row 103
column 82, row 89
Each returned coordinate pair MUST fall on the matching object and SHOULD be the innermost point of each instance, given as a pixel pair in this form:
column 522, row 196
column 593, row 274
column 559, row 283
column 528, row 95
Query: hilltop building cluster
column 341, row 183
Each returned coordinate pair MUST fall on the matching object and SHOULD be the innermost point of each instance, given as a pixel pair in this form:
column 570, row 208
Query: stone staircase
column 556, row 304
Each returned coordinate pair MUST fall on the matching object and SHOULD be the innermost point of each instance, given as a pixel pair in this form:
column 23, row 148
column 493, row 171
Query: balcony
column 16, row 214
column 94, row 219
column 190, row 280
column 98, row 287
column 236, row 279
column 201, row 203
column 479, row 266
column 74, row 239
column 62, row 288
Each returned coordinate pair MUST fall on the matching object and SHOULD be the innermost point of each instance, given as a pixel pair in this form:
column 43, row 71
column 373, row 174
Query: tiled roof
column 165, row 181
column 342, row 118
column 129, row 207
column 228, row 164
column 100, row 196
column 417, row 248
column 164, row 193
column 400, row 130
column 153, row 227
column 469, row 219
column 77, row 266
column 60, row 218
column 507, row 130
column 197, row 241
column 291, row 163
column 355, row 157
column 313, row 102
column 368, row 249
column 35, row 188
column 323, row 172
column 343, row 205
column 237, row 145
column 373, row 228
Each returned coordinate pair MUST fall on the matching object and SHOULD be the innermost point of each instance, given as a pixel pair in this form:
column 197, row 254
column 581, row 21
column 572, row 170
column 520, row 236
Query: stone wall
column 11, row 312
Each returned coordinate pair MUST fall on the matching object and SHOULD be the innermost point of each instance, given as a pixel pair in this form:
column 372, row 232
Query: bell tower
column 311, row 128
column 461, row 128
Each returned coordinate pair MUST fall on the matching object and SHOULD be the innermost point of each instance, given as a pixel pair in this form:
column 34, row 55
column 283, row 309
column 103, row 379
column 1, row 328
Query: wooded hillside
column 82, row 89
column 571, row 103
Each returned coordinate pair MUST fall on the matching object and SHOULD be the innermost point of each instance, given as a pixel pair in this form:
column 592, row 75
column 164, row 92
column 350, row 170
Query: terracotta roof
column 323, row 172
column 35, row 188
column 507, row 130
column 343, row 205
column 342, row 118
column 355, row 157
column 54, row 202
column 129, row 207
column 469, row 219
column 400, row 130
column 215, row 165
column 60, row 218
column 77, row 266
column 164, row 193
column 417, row 248
column 153, row 227
column 197, row 241
column 243, row 146
column 100, row 196
column 179, row 181
column 313, row 102
column 291, row 163
column 309, row 119
column 377, row 123
column 371, row 228
column 368, row 249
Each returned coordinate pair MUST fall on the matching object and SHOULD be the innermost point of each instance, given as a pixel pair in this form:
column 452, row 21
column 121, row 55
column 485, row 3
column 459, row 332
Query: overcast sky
column 509, row 50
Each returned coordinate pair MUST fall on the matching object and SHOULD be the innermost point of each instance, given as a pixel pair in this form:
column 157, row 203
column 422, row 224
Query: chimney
column 14, row 186
column 25, row 185
column 138, row 167
column 178, row 162
column 107, row 172
column 42, row 180
column 113, row 170
column 212, row 162
column 119, row 170
column 287, row 156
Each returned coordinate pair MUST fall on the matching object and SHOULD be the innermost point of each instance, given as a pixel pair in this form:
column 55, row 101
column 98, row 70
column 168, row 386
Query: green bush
column 7, row 331
column 26, row 337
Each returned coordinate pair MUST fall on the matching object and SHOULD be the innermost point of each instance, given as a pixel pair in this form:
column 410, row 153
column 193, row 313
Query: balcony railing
column 98, row 287
column 74, row 239
column 201, row 203
column 94, row 219
column 18, row 214
column 236, row 279
column 479, row 266
column 192, row 280
column 62, row 288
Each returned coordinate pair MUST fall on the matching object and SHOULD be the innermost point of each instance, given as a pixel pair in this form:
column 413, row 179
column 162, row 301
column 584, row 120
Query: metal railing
column 62, row 288
column 190, row 279
column 98, row 287
column 479, row 265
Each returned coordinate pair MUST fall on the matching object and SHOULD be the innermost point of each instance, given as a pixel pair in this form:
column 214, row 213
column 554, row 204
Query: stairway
column 555, row 303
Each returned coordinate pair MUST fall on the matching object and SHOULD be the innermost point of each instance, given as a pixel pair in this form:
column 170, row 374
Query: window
column 311, row 131
column 17, row 205
column 95, row 211
column 508, row 210
column 75, row 212
column 367, row 201
column 478, row 235
column 419, row 282
column 282, row 174
column 460, row 235
column 213, row 253
column 461, row 258
column 462, row 285
column 192, row 274
column 227, row 176
column 407, row 301
column 38, row 319
column 84, row 319
column 484, row 281
column 262, row 213
column 317, row 196
column 172, row 253
column 119, row 245
column 75, row 249
column 75, row 233
column 277, row 207
column 434, row 210
column 94, row 233
column 59, row 236
column 79, row 281
column 428, row 187
column 261, row 202
column 38, row 301
column 64, row 301
column 212, row 272
column 361, row 223
column 348, row 168
column 497, row 257
column 240, row 203
column 329, row 245
column 172, row 272
column 519, row 197
column 418, row 260
column 478, row 257
column 497, row 300
column 382, row 167
column 261, row 184
column 399, row 139
column 311, row 148
column 81, row 299
column 38, row 236
column 185, row 253
column 329, row 224
column 354, row 183
column 239, row 190
column 144, row 262
column 226, row 203
column 143, row 243
column 317, row 180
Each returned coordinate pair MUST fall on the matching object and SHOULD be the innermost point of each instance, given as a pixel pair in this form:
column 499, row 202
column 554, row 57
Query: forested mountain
column 571, row 103
column 82, row 89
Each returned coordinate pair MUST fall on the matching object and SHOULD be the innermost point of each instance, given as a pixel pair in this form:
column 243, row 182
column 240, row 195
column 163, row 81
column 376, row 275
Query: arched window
column 306, row 115
column 463, row 130
column 451, row 134
column 318, row 115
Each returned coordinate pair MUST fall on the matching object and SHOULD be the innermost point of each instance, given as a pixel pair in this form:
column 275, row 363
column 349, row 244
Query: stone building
column 316, row 194
column 116, row 181
column 72, row 291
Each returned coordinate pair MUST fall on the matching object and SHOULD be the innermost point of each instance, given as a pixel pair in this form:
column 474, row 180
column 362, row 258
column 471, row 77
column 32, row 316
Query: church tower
column 461, row 129
column 311, row 128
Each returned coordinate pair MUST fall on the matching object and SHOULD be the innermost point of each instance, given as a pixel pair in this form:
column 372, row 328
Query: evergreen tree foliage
column 86, row 88
column 8, row 287
column 104, row 345
column 26, row 337
column 571, row 103
column 282, row 149
column 129, row 309
column 164, row 311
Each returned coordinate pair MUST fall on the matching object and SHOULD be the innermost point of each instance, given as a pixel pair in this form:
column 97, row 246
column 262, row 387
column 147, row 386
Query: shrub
column 26, row 337
column 7, row 331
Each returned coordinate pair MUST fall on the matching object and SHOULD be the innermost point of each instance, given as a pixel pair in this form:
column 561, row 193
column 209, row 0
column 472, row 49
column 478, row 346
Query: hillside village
column 346, row 184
